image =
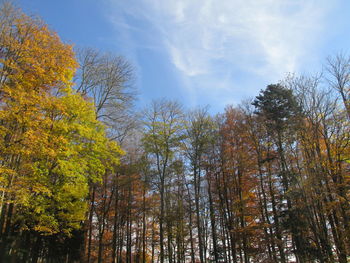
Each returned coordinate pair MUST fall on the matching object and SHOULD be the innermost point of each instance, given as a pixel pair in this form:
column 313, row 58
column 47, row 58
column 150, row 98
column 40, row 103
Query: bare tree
column 339, row 69
column 108, row 80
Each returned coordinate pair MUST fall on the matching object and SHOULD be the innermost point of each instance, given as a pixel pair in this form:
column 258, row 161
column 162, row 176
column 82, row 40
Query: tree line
column 84, row 177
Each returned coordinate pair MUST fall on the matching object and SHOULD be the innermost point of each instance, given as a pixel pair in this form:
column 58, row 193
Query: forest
column 86, row 176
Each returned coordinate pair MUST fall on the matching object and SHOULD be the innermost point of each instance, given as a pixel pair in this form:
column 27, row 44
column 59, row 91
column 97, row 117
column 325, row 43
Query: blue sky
column 204, row 52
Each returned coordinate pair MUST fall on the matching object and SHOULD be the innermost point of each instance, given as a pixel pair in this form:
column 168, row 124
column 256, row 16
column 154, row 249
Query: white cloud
column 209, row 39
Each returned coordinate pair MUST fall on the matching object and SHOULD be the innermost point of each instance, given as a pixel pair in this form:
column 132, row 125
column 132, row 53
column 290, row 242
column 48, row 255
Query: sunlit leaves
column 51, row 144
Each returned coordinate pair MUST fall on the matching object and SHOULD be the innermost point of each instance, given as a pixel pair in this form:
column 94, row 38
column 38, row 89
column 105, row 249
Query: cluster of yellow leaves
column 51, row 145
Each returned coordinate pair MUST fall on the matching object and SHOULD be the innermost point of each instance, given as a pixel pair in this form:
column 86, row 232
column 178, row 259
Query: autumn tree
column 51, row 143
column 106, row 79
column 162, row 136
column 198, row 136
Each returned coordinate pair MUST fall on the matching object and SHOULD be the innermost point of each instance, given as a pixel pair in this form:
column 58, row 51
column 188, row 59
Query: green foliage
column 278, row 105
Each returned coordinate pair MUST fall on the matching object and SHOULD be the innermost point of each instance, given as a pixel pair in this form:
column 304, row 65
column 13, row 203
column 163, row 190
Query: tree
column 198, row 138
column 162, row 137
column 338, row 68
column 278, row 107
column 51, row 144
column 107, row 79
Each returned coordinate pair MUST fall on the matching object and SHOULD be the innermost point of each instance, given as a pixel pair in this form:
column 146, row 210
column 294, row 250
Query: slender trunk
column 92, row 208
column 190, row 225
column 161, row 220
column 144, row 225
column 212, row 221
column 153, row 243
column 197, row 180
column 115, row 221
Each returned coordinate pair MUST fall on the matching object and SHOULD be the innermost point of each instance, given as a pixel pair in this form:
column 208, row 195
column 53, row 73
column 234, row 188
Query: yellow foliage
column 51, row 144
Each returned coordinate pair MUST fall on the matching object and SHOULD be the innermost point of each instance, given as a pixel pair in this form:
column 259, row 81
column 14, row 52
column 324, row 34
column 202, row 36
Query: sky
column 204, row 52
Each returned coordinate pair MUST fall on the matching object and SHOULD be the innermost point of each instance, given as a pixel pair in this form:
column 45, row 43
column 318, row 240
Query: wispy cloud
column 210, row 42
